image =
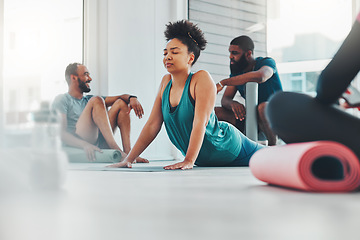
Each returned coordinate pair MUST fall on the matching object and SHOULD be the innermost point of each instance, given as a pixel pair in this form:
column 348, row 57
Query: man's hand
column 135, row 104
column 181, row 165
column 238, row 110
column 90, row 151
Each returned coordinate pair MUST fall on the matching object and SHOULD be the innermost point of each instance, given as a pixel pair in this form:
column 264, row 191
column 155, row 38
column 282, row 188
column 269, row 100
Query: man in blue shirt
column 245, row 68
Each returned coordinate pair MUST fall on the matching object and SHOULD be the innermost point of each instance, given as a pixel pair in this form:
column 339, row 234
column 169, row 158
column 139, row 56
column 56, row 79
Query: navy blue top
column 266, row 89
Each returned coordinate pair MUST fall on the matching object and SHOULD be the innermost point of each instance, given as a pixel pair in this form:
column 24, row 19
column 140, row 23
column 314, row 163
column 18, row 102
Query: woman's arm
column 204, row 95
column 150, row 130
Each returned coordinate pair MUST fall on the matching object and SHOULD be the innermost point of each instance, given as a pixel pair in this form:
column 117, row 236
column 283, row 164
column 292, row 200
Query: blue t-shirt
column 266, row 89
column 72, row 107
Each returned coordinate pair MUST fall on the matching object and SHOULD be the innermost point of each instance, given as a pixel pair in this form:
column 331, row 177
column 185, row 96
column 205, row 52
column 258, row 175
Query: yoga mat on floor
column 321, row 166
column 133, row 169
column 78, row 155
column 137, row 167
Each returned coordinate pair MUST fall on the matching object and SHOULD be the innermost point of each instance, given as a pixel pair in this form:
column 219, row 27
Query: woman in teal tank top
column 185, row 103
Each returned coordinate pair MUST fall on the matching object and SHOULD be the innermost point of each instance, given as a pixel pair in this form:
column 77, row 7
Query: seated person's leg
column 119, row 117
column 264, row 124
column 226, row 115
column 93, row 119
column 101, row 142
column 296, row 117
column 86, row 127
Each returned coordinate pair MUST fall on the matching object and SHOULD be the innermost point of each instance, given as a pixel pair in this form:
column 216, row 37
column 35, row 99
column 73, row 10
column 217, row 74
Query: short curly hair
column 189, row 34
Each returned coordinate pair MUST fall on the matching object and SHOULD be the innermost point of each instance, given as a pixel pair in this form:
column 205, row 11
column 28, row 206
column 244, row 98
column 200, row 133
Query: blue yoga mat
column 77, row 155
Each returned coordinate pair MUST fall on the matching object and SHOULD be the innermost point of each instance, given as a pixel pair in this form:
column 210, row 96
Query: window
column 40, row 38
column 303, row 37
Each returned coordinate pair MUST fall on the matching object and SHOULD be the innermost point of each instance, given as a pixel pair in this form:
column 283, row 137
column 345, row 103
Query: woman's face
column 176, row 56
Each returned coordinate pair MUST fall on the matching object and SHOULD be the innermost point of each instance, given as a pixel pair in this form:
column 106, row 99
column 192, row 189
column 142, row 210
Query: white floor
column 203, row 203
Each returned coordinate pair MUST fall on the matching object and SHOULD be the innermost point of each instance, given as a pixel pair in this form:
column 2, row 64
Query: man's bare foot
column 141, row 160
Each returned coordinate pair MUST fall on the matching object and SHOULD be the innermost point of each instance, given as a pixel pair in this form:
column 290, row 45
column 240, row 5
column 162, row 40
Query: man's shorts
column 100, row 142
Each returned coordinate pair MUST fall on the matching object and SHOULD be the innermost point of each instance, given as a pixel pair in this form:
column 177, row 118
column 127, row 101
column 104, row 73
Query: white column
column 251, row 126
column 96, row 44
column 182, row 9
column 2, row 122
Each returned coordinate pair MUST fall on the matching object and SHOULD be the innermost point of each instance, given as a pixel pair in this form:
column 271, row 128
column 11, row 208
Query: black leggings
column 297, row 117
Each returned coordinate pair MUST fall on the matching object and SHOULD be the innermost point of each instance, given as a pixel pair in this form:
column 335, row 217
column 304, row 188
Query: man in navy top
column 245, row 68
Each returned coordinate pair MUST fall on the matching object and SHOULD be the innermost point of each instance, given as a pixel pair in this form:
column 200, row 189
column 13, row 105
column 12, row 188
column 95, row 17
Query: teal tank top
column 222, row 141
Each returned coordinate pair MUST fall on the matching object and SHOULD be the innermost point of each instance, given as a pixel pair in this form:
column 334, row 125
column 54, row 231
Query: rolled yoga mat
column 321, row 166
column 77, row 155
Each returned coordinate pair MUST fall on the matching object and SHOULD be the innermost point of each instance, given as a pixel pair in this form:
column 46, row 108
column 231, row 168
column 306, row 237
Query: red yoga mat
column 321, row 166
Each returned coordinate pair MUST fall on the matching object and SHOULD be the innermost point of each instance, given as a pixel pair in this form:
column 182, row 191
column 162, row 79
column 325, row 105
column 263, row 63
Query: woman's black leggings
column 296, row 117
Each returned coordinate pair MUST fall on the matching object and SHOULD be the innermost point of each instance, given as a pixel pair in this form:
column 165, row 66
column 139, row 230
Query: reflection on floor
column 203, row 203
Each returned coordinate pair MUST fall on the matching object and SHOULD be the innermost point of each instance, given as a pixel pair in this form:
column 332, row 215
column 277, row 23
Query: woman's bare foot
column 141, row 160
column 137, row 160
column 123, row 164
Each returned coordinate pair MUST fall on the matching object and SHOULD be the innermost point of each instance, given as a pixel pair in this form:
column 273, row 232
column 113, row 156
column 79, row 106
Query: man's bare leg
column 226, row 115
column 119, row 117
column 265, row 126
column 95, row 118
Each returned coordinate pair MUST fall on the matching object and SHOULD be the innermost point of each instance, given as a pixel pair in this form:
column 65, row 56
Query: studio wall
column 124, row 44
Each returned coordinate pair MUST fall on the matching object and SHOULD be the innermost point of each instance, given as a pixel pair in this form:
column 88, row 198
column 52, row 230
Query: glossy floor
column 203, row 203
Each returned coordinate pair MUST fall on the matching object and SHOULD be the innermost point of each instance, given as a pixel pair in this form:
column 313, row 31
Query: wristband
column 131, row 96
column 222, row 86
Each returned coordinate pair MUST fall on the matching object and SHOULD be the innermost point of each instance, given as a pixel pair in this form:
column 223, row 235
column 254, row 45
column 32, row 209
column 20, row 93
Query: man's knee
column 120, row 104
column 226, row 115
column 97, row 101
column 121, row 107
column 218, row 111
column 223, row 113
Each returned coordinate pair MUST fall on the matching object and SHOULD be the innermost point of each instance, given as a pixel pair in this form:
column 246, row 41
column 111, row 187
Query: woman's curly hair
column 189, row 34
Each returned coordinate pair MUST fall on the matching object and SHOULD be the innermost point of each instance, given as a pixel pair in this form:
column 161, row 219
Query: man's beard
column 238, row 67
column 83, row 87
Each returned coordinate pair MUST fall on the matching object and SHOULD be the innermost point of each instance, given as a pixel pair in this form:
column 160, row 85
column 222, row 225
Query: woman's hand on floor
column 181, row 165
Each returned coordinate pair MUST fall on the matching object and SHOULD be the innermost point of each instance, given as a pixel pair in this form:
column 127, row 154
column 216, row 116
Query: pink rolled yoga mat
column 321, row 166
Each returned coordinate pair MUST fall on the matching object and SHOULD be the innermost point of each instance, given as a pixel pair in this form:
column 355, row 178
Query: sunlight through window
column 303, row 36
column 40, row 38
